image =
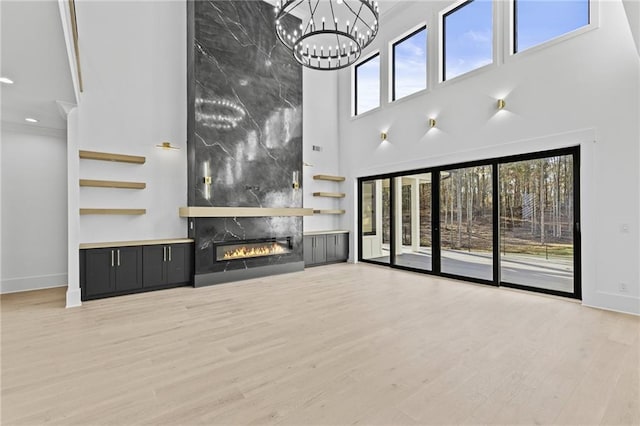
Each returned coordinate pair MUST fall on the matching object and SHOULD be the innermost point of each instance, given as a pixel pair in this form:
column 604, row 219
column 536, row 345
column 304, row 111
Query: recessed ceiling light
column 6, row 80
column 31, row 120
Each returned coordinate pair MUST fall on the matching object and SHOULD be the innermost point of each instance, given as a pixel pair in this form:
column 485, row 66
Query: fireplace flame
column 243, row 252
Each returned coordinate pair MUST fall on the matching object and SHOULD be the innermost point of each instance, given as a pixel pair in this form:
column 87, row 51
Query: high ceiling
column 34, row 56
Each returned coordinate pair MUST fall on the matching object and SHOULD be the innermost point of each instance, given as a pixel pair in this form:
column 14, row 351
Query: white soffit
column 34, row 56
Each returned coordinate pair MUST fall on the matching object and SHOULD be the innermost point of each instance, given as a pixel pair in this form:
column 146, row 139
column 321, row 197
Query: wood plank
column 242, row 212
column 112, row 184
column 105, row 156
column 321, row 211
column 329, row 194
column 335, row 231
column 329, row 178
column 136, row 243
column 113, row 211
column 337, row 344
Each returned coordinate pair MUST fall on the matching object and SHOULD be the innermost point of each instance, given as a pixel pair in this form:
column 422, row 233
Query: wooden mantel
column 242, row 212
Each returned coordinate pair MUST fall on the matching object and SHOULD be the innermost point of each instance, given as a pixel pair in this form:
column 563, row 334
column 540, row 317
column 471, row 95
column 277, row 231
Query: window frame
column 495, row 40
column 412, row 32
column 368, row 58
column 511, row 37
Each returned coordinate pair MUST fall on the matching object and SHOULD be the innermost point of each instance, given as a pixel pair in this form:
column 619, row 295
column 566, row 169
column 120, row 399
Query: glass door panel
column 536, row 223
column 376, row 220
column 413, row 221
column 466, row 222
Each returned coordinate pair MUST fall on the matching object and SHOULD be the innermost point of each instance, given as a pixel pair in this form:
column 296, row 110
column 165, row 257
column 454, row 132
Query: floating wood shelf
column 330, row 178
column 329, row 212
column 112, row 184
column 113, row 211
column 329, row 194
column 242, row 212
column 105, row 156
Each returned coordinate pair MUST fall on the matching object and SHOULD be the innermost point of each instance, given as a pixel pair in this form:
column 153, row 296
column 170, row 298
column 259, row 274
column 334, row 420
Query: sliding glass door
column 510, row 221
column 537, row 223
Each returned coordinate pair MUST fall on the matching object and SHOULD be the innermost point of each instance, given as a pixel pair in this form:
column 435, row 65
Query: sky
column 469, row 43
column 411, row 65
column 368, row 75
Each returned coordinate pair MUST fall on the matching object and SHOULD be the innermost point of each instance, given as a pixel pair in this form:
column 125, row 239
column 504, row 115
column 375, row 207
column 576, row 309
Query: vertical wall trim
column 73, row 206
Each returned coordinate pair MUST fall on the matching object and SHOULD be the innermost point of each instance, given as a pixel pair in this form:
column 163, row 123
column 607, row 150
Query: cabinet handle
column 118, row 257
column 169, row 253
column 112, row 258
column 164, row 253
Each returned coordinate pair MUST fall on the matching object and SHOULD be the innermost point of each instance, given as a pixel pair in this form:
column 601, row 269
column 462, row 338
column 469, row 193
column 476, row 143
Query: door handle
column 118, row 257
column 169, row 253
column 164, row 253
column 112, row 258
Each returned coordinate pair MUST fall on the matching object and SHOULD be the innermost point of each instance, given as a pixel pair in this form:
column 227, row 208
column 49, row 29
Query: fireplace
column 239, row 250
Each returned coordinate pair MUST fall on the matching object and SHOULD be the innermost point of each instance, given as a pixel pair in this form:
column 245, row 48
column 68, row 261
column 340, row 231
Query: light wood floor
column 342, row 344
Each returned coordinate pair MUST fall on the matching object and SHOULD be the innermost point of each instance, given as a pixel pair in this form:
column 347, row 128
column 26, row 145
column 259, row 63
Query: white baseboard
column 39, row 282
column 73, row 298
column 622, row 303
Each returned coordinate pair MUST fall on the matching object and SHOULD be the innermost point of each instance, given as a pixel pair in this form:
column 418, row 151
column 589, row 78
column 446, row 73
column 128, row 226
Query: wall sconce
column 432, row 123
column 501, row 104
column 296, row 180
column 207, row 180
column 167, row 146
column 383, row 136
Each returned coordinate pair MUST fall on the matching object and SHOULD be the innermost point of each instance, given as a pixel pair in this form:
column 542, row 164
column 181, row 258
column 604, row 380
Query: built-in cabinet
column 166, row 264
column 113, row 271
column 315, row 252
column 323, row 248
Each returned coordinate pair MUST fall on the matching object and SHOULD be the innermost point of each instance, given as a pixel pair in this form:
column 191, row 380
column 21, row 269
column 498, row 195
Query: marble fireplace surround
column 244, row 139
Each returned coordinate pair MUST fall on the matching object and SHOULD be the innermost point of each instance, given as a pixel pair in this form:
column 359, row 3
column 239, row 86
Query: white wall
column 133, row 57
column 553, row 94
column 320, row 128
column 34, row 215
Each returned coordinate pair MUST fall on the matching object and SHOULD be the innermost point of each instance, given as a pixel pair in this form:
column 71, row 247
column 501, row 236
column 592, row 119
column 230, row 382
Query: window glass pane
column 536, row 223
column 368, row 85
column 368, row 207
column 466, row 222
column 413, row 215
column 468, row 37
column 376, row 220
column 539, row 21
column 410, row 64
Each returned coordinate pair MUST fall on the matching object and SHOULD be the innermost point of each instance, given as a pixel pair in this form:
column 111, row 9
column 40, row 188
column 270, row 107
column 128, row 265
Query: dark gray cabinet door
column 331, row 248
column 319, row 249
column 342, row 247
column 308, row 250
column 337, row 247
column 98, row 271
column 153, row 266
column 177, row 263
column 128, row 268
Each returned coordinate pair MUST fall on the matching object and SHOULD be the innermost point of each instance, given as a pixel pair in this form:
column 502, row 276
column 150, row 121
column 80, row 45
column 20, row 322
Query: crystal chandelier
column 331, row 34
